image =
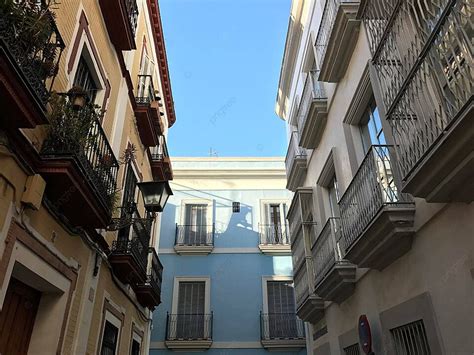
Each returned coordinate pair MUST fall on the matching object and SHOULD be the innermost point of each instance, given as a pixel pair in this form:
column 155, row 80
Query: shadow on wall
column 168, row 226
column 239, row 231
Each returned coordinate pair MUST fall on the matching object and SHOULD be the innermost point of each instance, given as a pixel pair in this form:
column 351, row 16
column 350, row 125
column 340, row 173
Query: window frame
column 207, row 291
column 265, row 280
column 263, row 213
column 116, row 322
column 209, row 211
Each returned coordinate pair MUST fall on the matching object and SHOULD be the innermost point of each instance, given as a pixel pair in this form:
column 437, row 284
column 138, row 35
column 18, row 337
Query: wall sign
column 365, row 336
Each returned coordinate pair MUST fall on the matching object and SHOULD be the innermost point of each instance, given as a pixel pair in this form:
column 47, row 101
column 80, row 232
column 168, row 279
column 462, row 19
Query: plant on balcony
column 28, row 28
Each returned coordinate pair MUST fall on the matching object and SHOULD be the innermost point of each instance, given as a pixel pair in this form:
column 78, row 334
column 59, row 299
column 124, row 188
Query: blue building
column 227, row 283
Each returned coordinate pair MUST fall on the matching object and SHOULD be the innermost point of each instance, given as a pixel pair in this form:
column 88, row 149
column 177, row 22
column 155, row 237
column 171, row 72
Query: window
column 280, row 320
column 135, row 348
column 109, row 339
column 195, row 229
column 411, row 339
column 129, row 198
column 371, row 128
column 85, row 80
column 274, row 224
column 352, row 350
column 333, row 194
column 191, row 310
column 236, row 207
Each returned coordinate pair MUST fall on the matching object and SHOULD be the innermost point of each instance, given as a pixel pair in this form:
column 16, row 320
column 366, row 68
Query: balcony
column 129, row 254
column 295, row 163
column 282, row 331
column 149, row 293
column 377, row 219
column 274, row 239
column 160, row 161
column 189, row 332
column 120, row 17
column 422, row 54
column 312, row 111
column 309, row 306
column 147, row 112
column 29, row 57
column 336, row 39
column 78, row 165
column 194, row 239
column 334, row 278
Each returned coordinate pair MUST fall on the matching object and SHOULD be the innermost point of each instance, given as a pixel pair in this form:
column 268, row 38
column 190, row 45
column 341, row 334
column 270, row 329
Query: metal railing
column 294, row 152
column 32, row 40
column 78, row 133
column 189, row 326
column 371, row 188
column 160, row 151
column 298, row 249
column 194, row 234
column 326, row 251
column 313, row 89
column 301, row 285
column 132, row 12
column 155, row 270
column 145, row 90
column 281, row 326
column 326, row 27
column 422, row 53
column 273, row 234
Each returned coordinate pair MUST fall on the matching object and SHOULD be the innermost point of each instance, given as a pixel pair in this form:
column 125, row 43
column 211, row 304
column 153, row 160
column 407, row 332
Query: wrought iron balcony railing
column 275, row 326
column 145, row 90
column 274, row 234
column 79, row 134
column 294, row 152
column 194, row 235
column 326, row 250
column 301, row 282
column 313, row 89
column 372, row 188
column 160, row 151
column 30, row 37
column 189, row 327
column 326, row 27
column 155, row 270
column 422, row 53
column 132, row 12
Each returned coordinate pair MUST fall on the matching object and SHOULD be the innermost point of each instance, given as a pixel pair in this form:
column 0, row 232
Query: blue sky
column 224, row 58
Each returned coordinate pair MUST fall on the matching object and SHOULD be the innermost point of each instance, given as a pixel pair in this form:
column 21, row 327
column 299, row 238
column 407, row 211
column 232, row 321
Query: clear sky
column 224, row 58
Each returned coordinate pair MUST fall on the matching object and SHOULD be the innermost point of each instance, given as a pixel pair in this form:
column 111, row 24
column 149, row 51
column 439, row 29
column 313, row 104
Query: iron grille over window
column 410, row 339
column 352, row 350
column 109, row 340
column 236, row 207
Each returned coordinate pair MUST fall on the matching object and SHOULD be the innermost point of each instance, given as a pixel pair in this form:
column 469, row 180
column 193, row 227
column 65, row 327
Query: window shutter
column 191, row 297
column 281, row 297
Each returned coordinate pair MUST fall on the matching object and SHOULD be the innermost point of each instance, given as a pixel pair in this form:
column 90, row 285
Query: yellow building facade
column 86, row 107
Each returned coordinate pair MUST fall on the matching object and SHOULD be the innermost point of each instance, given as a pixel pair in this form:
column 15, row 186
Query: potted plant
column 77, row 96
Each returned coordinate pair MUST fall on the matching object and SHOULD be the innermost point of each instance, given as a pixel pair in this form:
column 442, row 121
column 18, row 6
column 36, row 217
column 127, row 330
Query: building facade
column 377, row 96
column 86, row 104
column 227, row 285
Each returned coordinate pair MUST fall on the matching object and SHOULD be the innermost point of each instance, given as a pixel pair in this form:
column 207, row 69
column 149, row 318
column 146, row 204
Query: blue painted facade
column 236, row 295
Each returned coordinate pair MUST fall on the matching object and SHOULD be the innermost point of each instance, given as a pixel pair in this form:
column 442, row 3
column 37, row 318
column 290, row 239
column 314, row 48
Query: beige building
column 378, row 100
column 86, row 104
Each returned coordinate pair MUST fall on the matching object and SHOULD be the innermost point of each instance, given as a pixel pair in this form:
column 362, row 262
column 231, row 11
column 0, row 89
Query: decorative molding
column 360, row 100
column 217, row 345
column 275, row 249
column 218, row 251
column 193, row 249
column 328, row 170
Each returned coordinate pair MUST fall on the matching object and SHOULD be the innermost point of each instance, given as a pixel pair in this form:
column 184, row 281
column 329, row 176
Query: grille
column 410, row 339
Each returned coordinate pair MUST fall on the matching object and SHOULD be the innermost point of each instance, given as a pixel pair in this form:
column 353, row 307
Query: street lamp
column 155, row 195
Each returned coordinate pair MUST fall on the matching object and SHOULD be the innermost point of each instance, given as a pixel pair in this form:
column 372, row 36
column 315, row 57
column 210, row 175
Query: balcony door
column 195, row 229
column 129, row 198
column 190, row 318
column 275, row 223
column 282, row 322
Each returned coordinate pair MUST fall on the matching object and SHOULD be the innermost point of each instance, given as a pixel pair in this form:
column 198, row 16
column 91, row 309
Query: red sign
column 365, row 336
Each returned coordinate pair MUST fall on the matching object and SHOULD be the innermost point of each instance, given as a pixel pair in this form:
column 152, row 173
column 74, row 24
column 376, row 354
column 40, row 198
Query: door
column 281, row 310
column 17, row 318
column 196, row 224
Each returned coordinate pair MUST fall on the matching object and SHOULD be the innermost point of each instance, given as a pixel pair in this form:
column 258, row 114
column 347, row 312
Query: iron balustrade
column 298, row 249
column 189, row 326
column 326, row 27
column 79, row 134
column 294, row 151
column 160, row 151
column 313, row 89
column 132, row 12
column 145, row 90
column 274, row 234
column 301, row 285
column 281, row 326
column 422, row 54
column 155, row 270
column 194, row 235
column 326, row 250
column 30, row 37
column 371, row 188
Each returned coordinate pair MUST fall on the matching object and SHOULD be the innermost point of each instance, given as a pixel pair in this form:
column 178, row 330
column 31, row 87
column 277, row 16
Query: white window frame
column 265, row 279
column 209, row 212
column 281, row 202
column 207, row 291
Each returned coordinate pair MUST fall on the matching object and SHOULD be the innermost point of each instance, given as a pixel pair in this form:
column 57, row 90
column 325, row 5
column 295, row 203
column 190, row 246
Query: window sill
column 275, row 249
column 284, row 344
column 193, row 249
column 190, row 345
